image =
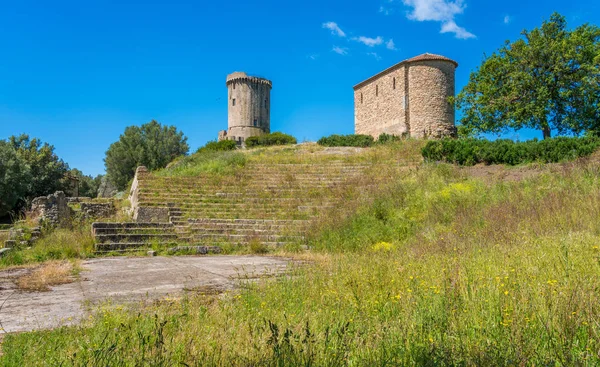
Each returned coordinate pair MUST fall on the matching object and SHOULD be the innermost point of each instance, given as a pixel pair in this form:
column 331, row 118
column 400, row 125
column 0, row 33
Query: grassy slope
column 434, row 268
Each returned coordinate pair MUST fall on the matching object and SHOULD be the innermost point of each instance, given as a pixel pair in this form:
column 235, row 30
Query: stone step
column 120, row 247
column 135, row 238
column 133, row 230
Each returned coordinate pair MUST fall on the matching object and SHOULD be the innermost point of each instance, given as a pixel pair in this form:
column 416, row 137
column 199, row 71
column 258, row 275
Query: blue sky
column 76, row 73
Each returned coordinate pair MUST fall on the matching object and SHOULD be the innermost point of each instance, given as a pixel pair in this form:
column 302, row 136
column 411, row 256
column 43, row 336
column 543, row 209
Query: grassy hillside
column 435, row 265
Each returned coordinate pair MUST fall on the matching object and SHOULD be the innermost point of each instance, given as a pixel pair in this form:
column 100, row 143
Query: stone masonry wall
column 52, row 209
column 380, row 105
column 430, row 85
column 410, row 98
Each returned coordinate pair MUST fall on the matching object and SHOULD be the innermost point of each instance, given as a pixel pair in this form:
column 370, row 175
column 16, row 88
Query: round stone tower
column 430, row 85
column 249, row 111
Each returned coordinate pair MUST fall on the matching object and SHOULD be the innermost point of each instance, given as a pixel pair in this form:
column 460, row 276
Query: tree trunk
column 546, row 132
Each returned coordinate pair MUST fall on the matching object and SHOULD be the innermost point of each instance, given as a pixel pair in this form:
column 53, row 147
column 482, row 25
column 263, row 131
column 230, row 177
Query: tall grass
column 59, row 244
column 206, row 162
column 440, row 270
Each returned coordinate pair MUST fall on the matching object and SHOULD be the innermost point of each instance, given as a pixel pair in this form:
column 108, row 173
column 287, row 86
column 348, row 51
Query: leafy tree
column 47, row 170
column 14, row 178
column 548, row 80
column 152, row 145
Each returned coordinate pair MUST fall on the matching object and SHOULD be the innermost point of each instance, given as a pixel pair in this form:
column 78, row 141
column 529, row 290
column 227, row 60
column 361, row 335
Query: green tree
column 14, row 178
column 548, row 80
column 76, row 183
column 47, row 169
column 152, row 145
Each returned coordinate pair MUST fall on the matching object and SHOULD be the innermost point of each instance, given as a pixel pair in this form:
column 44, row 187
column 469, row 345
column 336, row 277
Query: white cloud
column 385, row 11
column 334, row 28
column 371, row 42
column 375, row 55
column 442, row 11
column 313, row 56
column 390, row 45
column 459, row 32
column 507, row 19
column 340, row 50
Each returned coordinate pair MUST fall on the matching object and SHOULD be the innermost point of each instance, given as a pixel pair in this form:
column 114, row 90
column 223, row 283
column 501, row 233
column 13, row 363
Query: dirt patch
column 40, row 279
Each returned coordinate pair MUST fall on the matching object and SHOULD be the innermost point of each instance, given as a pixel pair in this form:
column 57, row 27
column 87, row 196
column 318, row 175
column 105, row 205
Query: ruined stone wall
column 409, row 98
column 97, row 210
column 380, row 105
column 430, row 84
column 52, row 209
column 249, row 107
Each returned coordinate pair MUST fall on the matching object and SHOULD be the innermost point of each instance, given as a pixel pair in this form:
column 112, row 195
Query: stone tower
column 249, row 111
column 409, row 98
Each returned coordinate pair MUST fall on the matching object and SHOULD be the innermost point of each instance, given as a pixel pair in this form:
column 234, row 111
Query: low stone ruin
column 92, row 210
column 52, row 209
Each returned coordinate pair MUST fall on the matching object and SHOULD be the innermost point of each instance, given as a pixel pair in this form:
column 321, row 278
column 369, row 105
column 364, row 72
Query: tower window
column 233, row 102
column 255, row 122
column 394, row 82
column 361, row 98
column 234, row 85
column 376, row 90
column 265, row 103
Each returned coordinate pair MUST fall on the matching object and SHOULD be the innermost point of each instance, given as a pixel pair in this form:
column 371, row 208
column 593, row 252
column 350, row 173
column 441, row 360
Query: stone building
column 408, row 99
column 249, row 111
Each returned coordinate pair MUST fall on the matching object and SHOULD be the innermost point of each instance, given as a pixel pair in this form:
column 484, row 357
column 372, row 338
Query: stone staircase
column 272, row 204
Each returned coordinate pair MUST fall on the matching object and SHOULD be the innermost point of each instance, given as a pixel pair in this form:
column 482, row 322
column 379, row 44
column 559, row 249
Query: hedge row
column 471, row 151
column 356, row 140
column 276, row 138
column 218, row 146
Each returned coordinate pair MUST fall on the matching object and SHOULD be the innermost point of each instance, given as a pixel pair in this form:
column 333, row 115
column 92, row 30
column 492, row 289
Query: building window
column 394, row 82
column 255, row 122
column 233, row 102
column 376, row 90
column 265, row 103
column 234, row 85
column 361, row 98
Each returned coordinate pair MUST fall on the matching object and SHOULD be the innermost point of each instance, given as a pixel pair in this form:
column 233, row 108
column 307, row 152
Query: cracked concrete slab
column 123, row 280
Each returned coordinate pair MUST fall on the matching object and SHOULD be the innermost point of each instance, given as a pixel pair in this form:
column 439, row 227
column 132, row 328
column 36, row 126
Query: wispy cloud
column 371, row 42
column 334, row 28
column 443, row 11
column 313, row 56
column 507, row 19
column 390, row 45
column 340, row 50
column 385, row 10
column 375, row 55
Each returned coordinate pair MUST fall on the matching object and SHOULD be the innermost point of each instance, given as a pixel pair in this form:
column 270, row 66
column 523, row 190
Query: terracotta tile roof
column 422, row 57
column 427, row 56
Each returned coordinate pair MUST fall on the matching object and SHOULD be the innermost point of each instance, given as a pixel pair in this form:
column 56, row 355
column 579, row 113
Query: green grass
column 206, row 162
column 433, row 268
column 60, row 244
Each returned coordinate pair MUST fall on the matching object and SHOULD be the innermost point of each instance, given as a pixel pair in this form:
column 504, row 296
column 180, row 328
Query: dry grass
column 50, row 274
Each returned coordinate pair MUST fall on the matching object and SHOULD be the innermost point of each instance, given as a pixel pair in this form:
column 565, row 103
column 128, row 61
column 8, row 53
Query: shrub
column 275, row 138
column 471, row 151
column 387, row 138
column 218, row 146
column 353, row 140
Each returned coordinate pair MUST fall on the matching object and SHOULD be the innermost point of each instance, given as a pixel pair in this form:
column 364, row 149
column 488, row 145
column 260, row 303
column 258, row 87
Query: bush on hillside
column 218, row 146
column 353, row 140
column 388, row 138
column 275, row 138
column 472, row 151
